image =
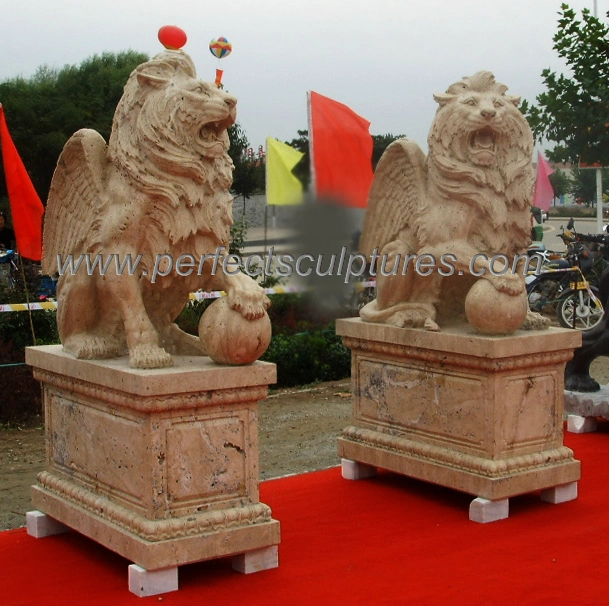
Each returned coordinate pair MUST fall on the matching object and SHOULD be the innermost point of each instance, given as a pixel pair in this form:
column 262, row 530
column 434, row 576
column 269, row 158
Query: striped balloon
column 220, row 47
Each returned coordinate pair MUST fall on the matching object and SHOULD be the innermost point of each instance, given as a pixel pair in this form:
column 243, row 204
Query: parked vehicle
column 570, row 283
column 8, row 267
column 540, row 215
column 11, row 276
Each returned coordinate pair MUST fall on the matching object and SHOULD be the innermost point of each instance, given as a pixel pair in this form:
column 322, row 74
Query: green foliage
column 302, row 171
column 238, row 234
column 380, row 144
column 249, row 175
column 573, row 210
column 21, row 402
column 574, row 111
column 583, row 185
column 15, row 326
column 307, row 357
column 304, row 345
column 44, row 111
column 561, row 183
column 189, row 317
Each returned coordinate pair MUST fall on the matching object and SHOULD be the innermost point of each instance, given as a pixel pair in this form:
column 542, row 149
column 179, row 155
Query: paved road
column 552, row 227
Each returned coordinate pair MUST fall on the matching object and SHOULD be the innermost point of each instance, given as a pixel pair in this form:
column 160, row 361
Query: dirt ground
column 297, row 433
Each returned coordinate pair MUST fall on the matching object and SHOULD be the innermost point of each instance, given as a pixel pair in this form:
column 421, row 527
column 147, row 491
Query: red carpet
column 387, row 540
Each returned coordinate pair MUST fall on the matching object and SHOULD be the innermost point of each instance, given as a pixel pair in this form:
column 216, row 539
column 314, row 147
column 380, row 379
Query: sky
column 382, row 58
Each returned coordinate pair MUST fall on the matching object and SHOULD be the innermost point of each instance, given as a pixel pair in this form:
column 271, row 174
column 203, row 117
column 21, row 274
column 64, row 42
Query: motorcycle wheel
column 543, row 293
column 587, row 315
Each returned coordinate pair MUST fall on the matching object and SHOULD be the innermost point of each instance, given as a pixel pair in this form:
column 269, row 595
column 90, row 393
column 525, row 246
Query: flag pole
column 266, row 181
column 312, row 186
column 599, row 173
column 27, row 300
column 599, row 200
column 265, row 224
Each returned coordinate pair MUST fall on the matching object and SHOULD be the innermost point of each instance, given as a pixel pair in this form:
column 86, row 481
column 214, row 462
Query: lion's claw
column 511, row 284
column 250, row 302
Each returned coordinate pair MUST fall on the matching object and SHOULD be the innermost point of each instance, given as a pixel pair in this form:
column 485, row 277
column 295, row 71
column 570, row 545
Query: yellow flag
column 282, row 187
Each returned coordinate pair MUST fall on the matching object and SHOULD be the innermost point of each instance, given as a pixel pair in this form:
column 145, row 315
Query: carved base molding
column 159, row 466
column 479, row 414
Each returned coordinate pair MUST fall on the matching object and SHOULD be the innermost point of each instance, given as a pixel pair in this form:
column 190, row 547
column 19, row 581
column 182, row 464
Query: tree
column 380, row 144
column 302, row 170
column 574, row 111
column 561, row 183
column 249, row 174
column 45, row 110
column 583, row 185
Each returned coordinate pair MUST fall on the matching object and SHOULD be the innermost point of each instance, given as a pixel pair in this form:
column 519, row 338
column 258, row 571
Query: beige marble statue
column 160, row 187
column 467, row 201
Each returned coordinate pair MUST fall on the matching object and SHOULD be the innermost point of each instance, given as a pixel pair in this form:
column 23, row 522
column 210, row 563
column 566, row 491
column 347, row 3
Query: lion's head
column 480, row 137
column 170, row 137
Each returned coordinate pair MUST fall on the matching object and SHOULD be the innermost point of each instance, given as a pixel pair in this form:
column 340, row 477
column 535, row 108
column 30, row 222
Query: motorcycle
column 566, row 282
column 8, row 267
column 11, row 276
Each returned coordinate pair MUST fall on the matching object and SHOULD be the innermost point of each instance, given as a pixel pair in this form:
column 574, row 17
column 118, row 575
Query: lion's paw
column 535, row 321
column 250, row 302
column 510, row 284
column 413, row 318
column 149, row 356
column 92, row 347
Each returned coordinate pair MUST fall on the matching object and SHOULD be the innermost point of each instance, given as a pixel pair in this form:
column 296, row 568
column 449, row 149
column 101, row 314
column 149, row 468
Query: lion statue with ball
column 158, row 190
column 434, row 224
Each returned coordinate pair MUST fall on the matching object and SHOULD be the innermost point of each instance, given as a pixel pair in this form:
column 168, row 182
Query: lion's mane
column 502, row 192
column 159, row 149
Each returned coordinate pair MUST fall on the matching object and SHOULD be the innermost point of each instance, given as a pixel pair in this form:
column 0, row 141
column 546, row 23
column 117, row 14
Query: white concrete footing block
column 40, row 525
column 352, row 470
column 560, row 494
column 484, row 511
column 577, row 424
column 257, row 560
column 144, row 582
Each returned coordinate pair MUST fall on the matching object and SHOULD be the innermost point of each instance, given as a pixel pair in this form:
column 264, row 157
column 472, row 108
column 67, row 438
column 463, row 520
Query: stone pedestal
column 480, row 414
column 160, row 466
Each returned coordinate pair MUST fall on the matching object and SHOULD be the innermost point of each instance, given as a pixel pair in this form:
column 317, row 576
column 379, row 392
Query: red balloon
column 172, row 37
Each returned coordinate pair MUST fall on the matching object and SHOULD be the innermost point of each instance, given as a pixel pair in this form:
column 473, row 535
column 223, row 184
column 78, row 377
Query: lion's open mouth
column 483, row 140
column 214, row 133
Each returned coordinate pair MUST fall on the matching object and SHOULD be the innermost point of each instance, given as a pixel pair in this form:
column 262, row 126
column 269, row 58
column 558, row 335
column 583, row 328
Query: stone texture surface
column 257, row 560
column 484, row 511
column 586, row 405
column 145, row 583
column 454, row 210
column 157, row 196
column 352, row 470
column 40, row 525
column 577, row 424
column 161, row 467
column 480, row 414
column 560, row 494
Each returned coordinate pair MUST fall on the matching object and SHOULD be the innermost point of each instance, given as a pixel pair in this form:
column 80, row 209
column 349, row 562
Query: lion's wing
column 75, row 197
column 397, row 191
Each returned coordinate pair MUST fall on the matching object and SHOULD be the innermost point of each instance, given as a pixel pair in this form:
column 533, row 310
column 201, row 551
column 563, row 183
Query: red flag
column 544, row 193
column 341, row 152
column 26, row 207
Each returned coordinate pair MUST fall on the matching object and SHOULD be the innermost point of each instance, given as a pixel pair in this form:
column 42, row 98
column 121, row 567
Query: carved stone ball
column 493, row 312
column 229, row 338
